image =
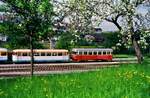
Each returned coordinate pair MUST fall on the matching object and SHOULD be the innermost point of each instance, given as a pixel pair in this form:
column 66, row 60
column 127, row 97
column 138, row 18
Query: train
column 56, row 55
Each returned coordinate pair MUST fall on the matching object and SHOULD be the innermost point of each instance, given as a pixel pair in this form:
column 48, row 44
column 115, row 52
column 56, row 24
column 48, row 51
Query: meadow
column 125, row 81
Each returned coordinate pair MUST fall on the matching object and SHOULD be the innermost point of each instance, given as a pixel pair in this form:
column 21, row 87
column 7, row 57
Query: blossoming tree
column 84, row 14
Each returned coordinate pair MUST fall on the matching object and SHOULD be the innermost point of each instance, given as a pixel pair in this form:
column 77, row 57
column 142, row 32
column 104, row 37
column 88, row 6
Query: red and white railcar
column 40, row 55
column 95, row 54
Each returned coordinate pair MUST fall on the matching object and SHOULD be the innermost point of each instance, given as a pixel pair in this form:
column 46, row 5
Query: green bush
column 110, row 39
column 64, row 42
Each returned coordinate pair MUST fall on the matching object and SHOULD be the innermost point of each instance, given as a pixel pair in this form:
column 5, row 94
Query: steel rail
column 24, row 69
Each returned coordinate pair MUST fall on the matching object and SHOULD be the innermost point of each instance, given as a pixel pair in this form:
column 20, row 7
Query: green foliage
column 64, row 42
column 86, row 46
column 68, row 40
column 148, row 54
column 32, row 18
column 3, row 8
column 128, row 81
column 123, row 56
column 111, row 39
column 16, row 37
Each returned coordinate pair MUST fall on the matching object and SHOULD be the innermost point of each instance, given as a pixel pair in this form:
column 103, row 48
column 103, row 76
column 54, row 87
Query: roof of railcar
column 3, row 49
column 92, row 49
column 40, row 50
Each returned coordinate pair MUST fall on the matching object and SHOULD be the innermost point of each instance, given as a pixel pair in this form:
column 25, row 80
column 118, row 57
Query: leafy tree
column 32, row 18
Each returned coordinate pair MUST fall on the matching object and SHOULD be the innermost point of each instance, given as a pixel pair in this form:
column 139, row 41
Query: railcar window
column 90, row 53
column 42, row 54
column 3, row 53
column 24, row 54
column 54, row 54
column 48, row 54
column 19, row 54
column 85, row 53
column 99, row 53
column 80, row 53
column 104, row 52
column 95, row 53
column 59, row 54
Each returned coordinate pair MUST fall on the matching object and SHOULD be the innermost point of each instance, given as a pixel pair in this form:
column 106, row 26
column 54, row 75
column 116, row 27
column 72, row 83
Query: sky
column 107, row 26
column 0, row 2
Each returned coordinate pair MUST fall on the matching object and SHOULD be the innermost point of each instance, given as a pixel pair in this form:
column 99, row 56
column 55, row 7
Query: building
column 3, row 38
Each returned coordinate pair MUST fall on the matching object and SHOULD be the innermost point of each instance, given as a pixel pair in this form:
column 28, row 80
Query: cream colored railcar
column 41, row 55
column 3, row 54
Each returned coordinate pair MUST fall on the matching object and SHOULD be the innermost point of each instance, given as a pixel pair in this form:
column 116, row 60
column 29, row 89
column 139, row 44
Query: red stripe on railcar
column 91, row 57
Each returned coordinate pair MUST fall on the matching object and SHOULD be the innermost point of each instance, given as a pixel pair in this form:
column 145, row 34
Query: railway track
column 46, row 68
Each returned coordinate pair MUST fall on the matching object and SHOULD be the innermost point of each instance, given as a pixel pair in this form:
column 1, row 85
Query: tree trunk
column 137, row 51
column 114, row 21
column 31, row 54
column 117, row 25
column 51, row 43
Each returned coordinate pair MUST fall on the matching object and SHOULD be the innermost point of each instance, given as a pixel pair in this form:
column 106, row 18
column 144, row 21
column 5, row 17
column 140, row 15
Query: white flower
column 118, row 44
column 20, row 25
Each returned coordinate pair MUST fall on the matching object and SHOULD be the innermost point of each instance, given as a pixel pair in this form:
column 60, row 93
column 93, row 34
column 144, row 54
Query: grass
column 123, row 56
column 126, row 81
